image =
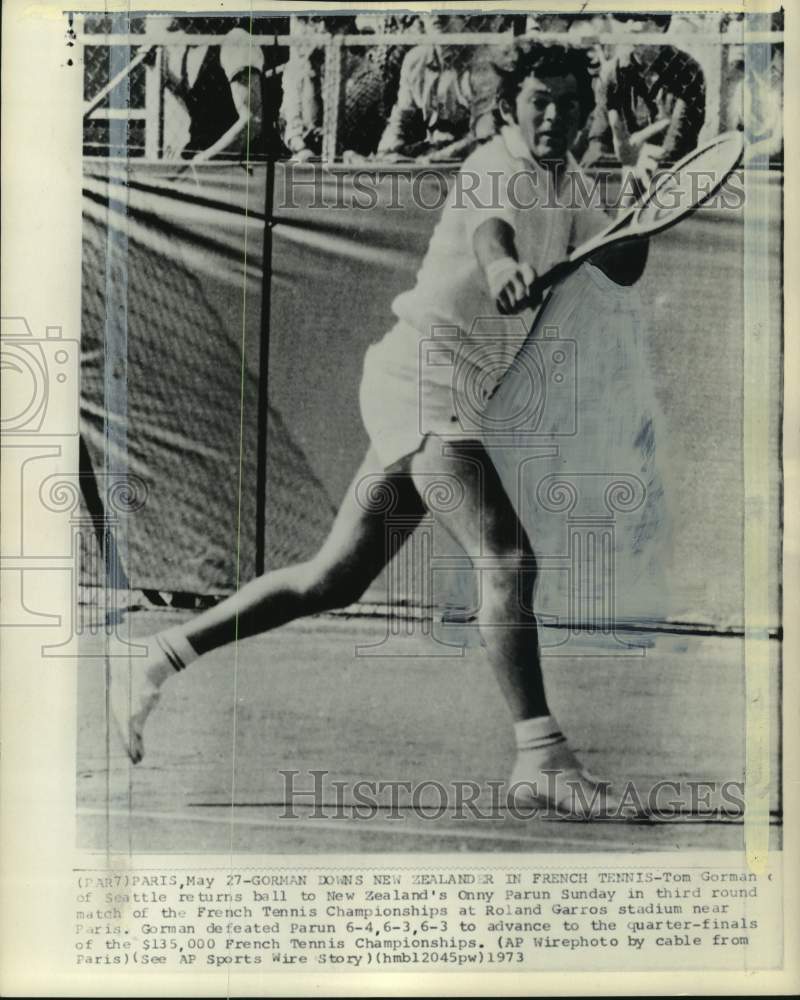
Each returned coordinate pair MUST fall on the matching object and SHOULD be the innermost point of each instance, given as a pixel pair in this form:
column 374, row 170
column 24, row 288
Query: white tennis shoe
column 562, row 786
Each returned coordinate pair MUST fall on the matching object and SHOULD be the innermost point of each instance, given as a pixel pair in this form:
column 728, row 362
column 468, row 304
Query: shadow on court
column 301, row 700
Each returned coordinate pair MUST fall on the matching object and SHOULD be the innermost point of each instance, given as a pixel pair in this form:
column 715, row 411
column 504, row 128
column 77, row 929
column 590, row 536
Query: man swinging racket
column 482, row 259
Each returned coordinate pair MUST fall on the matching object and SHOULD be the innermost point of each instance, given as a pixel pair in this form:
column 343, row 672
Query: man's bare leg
column 351, row 557
column 485, row 525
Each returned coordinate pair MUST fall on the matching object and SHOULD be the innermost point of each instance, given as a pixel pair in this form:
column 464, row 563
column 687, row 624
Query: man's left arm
column 688, row 113
column 625, row 263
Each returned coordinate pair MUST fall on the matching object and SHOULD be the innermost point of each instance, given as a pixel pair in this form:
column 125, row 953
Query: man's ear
column 506, row 111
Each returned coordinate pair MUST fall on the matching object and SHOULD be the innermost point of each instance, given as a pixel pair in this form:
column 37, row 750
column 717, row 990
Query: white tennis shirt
column 498, row 180
column 441, row 360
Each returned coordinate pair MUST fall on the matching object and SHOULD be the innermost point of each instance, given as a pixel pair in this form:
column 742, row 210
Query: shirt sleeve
column 482, row 188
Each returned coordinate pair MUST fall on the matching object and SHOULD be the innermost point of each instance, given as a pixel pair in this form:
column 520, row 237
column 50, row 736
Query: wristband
column 498, row 272
column 497, row 267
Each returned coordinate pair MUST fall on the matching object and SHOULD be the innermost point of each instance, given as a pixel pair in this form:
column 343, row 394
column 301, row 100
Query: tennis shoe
column 562, row 787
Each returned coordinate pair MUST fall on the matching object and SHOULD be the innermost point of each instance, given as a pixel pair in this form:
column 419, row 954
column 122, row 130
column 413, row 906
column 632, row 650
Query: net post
column 115, row 430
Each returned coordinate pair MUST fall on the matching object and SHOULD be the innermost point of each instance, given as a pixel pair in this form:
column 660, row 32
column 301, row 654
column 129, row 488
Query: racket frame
column 623, row 229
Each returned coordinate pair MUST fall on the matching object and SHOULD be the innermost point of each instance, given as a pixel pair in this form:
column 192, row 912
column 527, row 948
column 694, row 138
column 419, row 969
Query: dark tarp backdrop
column 196, row 314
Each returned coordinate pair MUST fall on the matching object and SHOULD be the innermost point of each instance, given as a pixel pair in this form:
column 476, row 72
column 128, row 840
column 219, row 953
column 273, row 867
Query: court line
column 689, row 818
column 339, row 826
column 364, row 612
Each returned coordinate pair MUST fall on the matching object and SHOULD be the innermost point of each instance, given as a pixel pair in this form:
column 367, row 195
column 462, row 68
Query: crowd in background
column 433, row 101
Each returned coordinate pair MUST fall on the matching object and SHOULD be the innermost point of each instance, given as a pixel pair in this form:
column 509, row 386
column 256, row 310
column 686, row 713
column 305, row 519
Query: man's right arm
column 495, row 246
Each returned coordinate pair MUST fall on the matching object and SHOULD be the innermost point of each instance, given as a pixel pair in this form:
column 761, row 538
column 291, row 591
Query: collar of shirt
column 518, row 148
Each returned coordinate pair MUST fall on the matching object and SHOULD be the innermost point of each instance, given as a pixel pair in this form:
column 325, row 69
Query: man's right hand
column 510, row 284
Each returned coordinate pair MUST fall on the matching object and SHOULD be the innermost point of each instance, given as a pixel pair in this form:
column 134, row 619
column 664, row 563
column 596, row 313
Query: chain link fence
column 406, row 87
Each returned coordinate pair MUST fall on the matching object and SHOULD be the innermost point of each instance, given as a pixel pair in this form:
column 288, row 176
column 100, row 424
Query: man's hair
column 530, row 58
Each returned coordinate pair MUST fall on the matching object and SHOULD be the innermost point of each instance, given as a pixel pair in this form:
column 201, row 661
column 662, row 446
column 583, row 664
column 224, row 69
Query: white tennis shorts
column 572, row 428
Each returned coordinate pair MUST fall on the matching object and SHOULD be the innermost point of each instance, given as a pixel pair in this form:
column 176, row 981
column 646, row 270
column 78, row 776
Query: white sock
column 539, row 733
column 170, row 653
column 543, row 745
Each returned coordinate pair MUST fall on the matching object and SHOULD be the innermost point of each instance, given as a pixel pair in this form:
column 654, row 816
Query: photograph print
column 427, row 453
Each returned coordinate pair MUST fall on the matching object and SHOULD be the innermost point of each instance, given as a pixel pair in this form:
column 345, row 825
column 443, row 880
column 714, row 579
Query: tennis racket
column 673, row 196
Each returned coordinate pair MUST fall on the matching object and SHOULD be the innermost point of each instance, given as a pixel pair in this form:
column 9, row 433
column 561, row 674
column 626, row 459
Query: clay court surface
column 300, row 698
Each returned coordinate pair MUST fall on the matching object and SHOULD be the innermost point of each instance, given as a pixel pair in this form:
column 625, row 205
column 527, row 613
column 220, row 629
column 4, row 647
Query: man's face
column 548, row 113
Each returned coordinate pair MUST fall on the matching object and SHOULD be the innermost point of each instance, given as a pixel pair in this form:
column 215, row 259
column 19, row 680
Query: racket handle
column 543, row 281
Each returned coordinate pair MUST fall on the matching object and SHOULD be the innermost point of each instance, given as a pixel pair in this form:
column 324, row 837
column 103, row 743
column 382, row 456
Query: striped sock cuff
column 172, row 657
column 539, row 733
column 176, row 648
column 544, row 743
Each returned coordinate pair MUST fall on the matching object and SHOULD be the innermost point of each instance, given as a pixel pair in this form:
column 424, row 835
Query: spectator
column 593, row 24
column 214, row 97
column 581, row 25
column 755, row 107
column 514, row 24
column 369, row 78
column 549, row 23
column 705, row 22
column 754, row 103
column 656, row 91
column 444, row 101
column 389, row 24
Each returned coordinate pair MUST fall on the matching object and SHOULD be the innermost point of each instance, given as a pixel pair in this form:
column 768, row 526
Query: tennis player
column 482, row 259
